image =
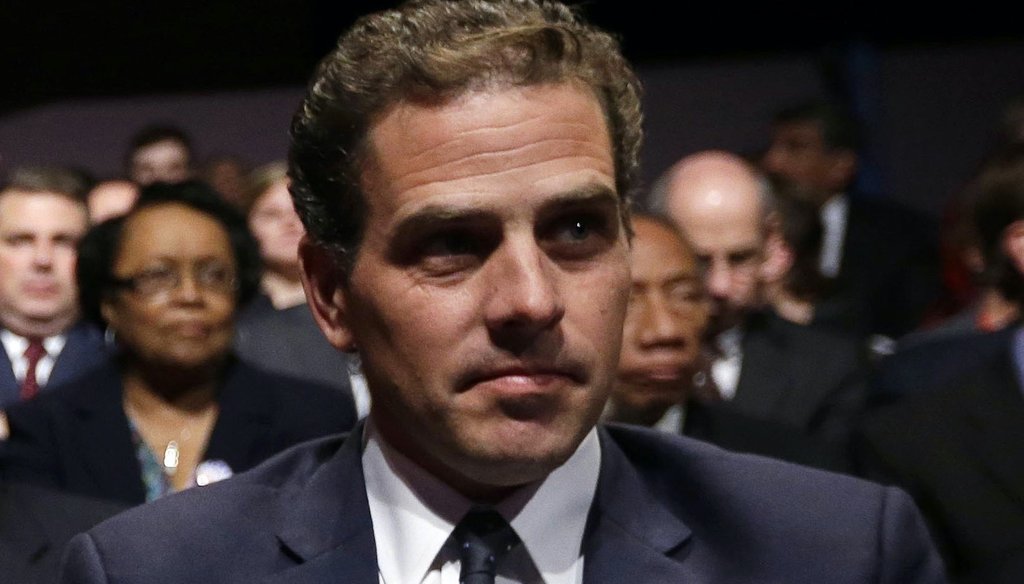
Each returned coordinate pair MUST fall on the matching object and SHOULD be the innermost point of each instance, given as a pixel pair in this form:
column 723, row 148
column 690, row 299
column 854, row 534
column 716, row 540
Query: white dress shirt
column 15, row 346
column 833, row 215
column 725, row 369
column 414, row 514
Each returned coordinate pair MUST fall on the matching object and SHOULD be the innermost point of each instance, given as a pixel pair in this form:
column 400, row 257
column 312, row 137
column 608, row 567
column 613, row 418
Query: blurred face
column 664, row 323
column 38, row 235
column 277, row 228
column 488, row 295
column 727, row 233
column 177, row 312
column 111, row 199
column 799, row 154
column 166, row 161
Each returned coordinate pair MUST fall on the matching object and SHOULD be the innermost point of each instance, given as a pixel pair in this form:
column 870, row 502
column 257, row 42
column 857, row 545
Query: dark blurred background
column 78, row 78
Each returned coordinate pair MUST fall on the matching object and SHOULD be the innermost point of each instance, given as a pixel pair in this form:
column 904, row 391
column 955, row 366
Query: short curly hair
column 431, row 51
column 99, row 248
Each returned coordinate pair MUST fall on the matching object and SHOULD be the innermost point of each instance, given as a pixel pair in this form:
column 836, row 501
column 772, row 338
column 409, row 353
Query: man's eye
column 580, row 235
column 449, row 244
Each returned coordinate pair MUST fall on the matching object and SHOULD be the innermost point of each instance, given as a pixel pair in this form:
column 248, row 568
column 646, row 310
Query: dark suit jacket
column 78, row 439
column 289, row 342
column 889, row 275
column 801, row 376
column 83, row 350
column 960, row 453
column 933, row 365
column 35, row 524
column 741, row 433
column 667, row 509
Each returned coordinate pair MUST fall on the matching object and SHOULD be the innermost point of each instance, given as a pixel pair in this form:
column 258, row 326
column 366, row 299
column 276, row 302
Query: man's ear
column 842, row 167
column 1013, row 244
column 325, row 285
column 778, row 256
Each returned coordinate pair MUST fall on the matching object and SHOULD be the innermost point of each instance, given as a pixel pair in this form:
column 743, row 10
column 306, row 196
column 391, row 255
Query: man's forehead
column 23, row 206
column 416, row 150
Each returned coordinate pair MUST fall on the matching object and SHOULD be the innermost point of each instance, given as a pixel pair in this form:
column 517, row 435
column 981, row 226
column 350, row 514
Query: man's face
column 664, row 323
column 166, row 161
column 799, row 154
column 727, row 233
column 488, row 295
column 38, row 235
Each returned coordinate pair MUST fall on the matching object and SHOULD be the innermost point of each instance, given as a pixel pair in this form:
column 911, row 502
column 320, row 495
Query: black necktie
column 484, row 537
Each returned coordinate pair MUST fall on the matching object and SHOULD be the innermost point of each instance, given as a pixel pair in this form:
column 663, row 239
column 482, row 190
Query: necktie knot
column 484, row 538
column 34, row 352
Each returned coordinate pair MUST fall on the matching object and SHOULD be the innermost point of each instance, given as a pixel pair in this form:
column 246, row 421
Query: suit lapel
column 82, row 351
column 764, row 377
column 630, row 536
column 9, row 387
column 101, row 438
column 995, row 423
column 242, row 423
column 327, row 526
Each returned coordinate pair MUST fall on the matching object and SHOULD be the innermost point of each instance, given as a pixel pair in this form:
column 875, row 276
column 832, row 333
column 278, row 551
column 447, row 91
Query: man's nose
column 42, row 253
column 661, row 325
column 718, row 279
column 525, row 290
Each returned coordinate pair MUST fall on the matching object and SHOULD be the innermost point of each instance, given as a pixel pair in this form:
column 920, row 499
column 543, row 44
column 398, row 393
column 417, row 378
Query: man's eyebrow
column 589, row 195
column 433, row 215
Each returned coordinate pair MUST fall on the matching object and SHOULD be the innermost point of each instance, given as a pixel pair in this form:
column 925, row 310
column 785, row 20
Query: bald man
column 765, row 367
column 662, row 379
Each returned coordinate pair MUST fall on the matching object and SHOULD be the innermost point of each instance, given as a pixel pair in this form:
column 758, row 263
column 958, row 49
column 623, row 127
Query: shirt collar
column 15, row 345
column 414, row 513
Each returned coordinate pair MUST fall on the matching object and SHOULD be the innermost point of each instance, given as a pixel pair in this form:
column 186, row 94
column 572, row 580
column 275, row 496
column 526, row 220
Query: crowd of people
column 456, row 263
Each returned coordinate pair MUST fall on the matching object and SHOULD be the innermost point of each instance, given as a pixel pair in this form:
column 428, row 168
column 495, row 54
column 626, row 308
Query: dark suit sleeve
column 907, row 553
column 28, row 455
column 82, row 563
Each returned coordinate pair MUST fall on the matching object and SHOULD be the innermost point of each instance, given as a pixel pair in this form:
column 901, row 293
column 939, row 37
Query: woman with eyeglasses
column 175, row 409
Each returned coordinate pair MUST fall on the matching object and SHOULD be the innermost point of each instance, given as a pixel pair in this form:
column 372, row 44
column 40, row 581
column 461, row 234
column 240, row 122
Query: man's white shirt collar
column 15, row 345
column 412, row 524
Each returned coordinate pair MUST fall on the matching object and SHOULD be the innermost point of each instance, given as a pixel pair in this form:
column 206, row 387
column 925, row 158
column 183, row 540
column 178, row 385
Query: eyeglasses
column 210, row 276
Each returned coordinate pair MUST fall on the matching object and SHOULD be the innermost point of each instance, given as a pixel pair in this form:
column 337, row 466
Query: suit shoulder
column 760, row 489
column 249, row 497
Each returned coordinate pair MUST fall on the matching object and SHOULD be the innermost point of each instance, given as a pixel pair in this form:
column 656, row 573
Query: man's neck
column 40, row 329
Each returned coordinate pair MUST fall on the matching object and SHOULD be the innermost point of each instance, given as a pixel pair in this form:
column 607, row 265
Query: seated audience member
column 111, row 198
column 42, row 217
column 760, row 361
column 176, row 409
column 35, row 525
column 276, row 329
column 159, row 153
column 663, row 380
column 794, row 292
column 925, row 360
column 227, row 175
column 884, row 257
column 958, row 446
column 464, row 171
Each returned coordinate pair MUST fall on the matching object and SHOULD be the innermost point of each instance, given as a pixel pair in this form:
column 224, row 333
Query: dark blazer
column 35, row 524
column 738, row 432
column 889, row 275
column 78, row 439
column 289, row 342
column 931, row 365
column 802, row 376
column 667, row 509
column 960, row 453
column 83, row 350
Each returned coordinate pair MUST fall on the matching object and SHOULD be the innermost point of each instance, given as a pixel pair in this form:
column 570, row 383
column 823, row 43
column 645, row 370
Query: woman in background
column 176, row 409
column 277, row 329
